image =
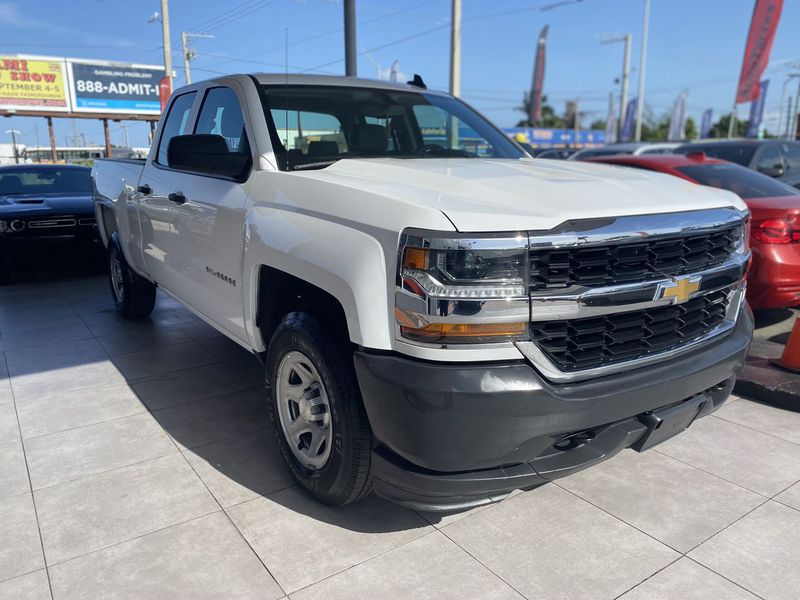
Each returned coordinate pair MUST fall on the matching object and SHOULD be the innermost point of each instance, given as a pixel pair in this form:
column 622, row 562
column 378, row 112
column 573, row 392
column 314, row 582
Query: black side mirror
column 775, row 170
column 207, row 154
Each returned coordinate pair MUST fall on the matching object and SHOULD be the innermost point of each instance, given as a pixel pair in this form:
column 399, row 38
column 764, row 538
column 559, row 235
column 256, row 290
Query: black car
column 777, row 158
column 557, row 153
column 46, row 201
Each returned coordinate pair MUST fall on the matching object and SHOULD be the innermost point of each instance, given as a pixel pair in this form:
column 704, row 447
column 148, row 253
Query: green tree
column 549, row 119
column 598, row 124
column 720, row 128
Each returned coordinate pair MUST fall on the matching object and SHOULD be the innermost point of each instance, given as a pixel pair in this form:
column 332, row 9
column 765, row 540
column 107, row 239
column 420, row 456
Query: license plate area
column 668, row 422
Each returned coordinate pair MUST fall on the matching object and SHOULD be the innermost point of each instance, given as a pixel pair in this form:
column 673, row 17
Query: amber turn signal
column 417, row 259
column 465, row 332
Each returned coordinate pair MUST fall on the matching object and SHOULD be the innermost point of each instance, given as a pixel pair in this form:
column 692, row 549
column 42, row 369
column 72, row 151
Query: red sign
column 535, row 98
column 766, row 15
column 164, row 91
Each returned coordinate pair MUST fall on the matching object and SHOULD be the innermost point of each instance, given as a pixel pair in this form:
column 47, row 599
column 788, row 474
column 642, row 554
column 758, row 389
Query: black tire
column 134, row 297
column 345, row 476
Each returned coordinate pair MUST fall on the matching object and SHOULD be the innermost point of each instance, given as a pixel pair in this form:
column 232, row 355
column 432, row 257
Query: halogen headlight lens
column 454, row 289
column 466, row 268
column 3, row 226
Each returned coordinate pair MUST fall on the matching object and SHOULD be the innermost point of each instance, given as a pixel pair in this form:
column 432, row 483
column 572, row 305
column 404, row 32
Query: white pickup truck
column 442, row 319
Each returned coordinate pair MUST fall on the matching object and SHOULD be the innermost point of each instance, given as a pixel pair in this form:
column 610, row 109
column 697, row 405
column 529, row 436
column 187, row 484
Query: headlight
column 3, row 226
column 457, row 290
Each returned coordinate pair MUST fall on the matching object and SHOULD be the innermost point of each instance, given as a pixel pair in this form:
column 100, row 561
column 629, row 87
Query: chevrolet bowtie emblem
column 679, row 289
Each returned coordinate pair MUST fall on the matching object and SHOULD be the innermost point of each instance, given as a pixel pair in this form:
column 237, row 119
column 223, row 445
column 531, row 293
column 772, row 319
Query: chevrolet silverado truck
column 442, row 319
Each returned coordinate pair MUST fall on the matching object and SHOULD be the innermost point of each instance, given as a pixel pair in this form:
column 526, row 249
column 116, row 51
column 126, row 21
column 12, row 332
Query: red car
column 774, row 278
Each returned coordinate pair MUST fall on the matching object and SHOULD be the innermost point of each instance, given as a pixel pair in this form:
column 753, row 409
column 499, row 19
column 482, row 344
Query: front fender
column 349, row 264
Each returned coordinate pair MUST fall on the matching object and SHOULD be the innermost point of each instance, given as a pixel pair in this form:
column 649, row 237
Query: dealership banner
column 757, row 111
column 766, row 15
column 677, row 121
column 705, row 123
column 535, row 97
column 30, row 83
column 106, row 87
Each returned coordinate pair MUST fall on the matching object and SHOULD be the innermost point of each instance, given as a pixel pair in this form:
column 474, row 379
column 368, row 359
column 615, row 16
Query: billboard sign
column 33, row 83
column 107, row 87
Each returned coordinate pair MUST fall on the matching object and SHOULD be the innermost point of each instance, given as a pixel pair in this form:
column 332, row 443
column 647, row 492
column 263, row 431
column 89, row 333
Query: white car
column 442, row 319
column 634, row 148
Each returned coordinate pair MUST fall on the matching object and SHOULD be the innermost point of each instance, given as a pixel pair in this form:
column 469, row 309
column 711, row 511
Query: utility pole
column 793, row 131
column 14, row 133
column 186, row 57
column 455, row 68
column 786, row 81
column 74, row 134
column 785, row 131
column 188, row 52
column 626, row 68
column 350, row 67
column 455, row 48
column 642, row 67
column 125, row 133
column 577, row 122
column 167, row 42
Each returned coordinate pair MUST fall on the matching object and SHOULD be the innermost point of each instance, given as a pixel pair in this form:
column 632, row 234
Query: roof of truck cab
column 336, row 80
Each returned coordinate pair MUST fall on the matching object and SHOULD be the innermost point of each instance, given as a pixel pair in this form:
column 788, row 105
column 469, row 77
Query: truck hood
column 29, row 204
column 507, row 195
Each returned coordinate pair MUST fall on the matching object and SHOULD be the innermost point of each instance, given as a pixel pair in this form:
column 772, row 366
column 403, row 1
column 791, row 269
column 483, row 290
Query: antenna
column 286, row 88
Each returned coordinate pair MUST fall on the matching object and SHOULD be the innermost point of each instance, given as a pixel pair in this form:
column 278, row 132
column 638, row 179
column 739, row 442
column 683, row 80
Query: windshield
column 45, row 180
column 315, row 125
column 741, row 154
column 743, row 182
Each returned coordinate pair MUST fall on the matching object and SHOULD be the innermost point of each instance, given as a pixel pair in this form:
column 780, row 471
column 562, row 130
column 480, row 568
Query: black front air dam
column 461, row 434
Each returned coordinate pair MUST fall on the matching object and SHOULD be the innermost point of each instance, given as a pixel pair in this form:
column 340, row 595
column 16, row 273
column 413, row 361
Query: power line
column 333, row 31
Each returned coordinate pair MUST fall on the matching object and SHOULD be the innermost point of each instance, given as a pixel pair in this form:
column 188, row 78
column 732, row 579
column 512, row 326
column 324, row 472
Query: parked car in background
column 45, row 201
column 779, row 159
column 774, row 277
column 632, row 148
column 556, row 153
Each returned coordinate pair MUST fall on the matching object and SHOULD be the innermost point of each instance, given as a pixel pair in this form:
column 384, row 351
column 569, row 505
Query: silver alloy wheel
column 304, row 410
column 117, row 283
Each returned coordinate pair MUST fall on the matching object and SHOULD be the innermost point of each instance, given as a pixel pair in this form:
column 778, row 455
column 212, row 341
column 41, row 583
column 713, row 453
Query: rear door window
column 221, row 115
column 177, row 123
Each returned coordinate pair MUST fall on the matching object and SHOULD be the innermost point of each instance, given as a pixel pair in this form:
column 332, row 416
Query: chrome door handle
column 177, row 197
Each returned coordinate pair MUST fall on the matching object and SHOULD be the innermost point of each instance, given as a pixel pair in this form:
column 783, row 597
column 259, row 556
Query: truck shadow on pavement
column 76, row 370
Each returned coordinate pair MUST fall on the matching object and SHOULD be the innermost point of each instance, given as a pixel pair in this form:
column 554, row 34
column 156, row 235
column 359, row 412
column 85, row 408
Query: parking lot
column 136, row 461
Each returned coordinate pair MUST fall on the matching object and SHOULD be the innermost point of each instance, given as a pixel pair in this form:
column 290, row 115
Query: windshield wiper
column 314, row 165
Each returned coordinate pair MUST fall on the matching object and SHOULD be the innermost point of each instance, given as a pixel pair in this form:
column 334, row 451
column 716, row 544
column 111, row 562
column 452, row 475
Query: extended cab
column 442, row 319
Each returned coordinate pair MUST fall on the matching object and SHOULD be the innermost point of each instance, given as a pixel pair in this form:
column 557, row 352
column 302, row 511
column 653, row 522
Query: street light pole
column 14, row 133
column 642, row 67
column 350, row 65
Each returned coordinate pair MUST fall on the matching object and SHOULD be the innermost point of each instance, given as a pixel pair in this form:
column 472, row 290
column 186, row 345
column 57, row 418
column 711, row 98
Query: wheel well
column 280, row 293
column 108, row 222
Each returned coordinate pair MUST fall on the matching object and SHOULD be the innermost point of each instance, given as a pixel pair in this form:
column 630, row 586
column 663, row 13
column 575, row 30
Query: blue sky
column 694, row 44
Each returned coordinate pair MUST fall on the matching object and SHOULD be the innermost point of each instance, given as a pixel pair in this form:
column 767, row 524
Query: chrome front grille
column 630, row 261
column 600, row 299
column 593, row 342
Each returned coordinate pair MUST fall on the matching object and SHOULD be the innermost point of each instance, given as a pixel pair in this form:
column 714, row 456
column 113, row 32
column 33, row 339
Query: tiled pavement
column 136, row 462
